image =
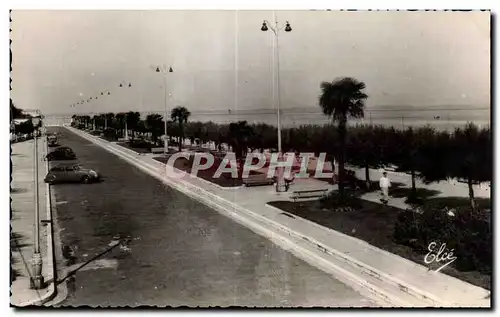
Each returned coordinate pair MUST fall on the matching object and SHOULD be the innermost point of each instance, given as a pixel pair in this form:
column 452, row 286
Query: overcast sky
column 405, row 58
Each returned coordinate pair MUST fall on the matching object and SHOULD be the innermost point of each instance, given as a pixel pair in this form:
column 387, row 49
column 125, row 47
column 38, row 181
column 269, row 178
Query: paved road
column 180, row 252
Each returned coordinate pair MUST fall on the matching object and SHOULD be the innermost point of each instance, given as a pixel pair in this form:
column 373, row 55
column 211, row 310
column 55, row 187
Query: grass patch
column 112, row 139
column 422, row 193
column 374, row 223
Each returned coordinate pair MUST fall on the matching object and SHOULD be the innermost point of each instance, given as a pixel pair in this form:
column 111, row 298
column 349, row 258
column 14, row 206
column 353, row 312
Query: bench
column 258, row 181
column 316, row 193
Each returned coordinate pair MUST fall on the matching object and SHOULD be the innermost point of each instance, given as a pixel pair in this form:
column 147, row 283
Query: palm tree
column 181, row 116
column 339, row 100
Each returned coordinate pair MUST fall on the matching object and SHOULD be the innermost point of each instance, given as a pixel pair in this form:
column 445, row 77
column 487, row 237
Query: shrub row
column 468, row 234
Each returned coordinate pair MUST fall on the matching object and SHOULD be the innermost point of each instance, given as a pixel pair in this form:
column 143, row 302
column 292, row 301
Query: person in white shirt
column 385, row 183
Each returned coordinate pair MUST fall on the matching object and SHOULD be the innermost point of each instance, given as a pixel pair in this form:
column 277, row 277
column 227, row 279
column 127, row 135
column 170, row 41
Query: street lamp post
column 126, row 127
column 164, row 72
column 105, row 118
column 280, row 186
column 36, row 280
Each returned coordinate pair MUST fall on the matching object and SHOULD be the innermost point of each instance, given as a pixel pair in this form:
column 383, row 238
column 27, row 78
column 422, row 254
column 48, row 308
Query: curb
column 244, row 217
column 410, row 290
column 50, row 247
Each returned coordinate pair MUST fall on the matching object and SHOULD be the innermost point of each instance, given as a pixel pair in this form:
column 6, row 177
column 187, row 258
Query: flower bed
column 224, row 180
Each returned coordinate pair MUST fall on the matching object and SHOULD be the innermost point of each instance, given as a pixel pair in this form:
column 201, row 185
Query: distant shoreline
column 287, row 121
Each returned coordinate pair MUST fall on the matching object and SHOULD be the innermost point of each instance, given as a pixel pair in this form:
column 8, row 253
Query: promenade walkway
column 402, row 282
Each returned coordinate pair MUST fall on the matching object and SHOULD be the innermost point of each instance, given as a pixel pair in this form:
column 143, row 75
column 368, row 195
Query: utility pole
column 36, row 280
column 164, row 72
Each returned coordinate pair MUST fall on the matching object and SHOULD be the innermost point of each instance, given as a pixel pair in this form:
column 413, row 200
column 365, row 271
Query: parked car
column 71, row 173
column 390, row 168
column 61, row 153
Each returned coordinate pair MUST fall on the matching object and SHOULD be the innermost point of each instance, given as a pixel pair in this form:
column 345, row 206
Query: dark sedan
column 61, row 154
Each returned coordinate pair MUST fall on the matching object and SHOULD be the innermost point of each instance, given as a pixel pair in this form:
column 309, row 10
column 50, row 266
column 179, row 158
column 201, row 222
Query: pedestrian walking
column 385, row 183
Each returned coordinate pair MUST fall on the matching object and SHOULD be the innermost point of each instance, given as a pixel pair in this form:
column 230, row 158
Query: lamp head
column 264, row 26
column 170, row 70
column 288, row 28
column 120, row 85
column 130, row 85
column 157, row 69
column 109, row 93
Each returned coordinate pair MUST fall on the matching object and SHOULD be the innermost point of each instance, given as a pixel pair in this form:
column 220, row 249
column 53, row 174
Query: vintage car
column 71, row 173
column 61, row 154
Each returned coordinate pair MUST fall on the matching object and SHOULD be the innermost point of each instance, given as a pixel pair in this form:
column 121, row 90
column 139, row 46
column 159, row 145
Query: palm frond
column 343, row 98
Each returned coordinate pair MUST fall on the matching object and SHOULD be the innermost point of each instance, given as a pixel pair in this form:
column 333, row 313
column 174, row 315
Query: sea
column 439, row 118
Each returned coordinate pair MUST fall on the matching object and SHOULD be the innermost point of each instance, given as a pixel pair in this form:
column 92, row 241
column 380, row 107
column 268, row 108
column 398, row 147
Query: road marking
column 61, row 202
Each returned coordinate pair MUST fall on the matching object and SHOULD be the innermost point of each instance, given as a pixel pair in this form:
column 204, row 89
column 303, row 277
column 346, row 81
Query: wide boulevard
column 177, row 251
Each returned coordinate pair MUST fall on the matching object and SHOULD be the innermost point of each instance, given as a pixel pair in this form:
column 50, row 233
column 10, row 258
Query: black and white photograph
column 251, row 158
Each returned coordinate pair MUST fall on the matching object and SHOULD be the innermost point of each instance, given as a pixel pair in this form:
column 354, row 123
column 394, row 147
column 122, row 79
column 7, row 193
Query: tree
column 438, row 155
column 389, row 140
column 86, row 120
column 471, row 151
column 119, row 122
column 363, row 149
column 133, row 119
column 140, row 127
column 193, row 131
column 155, row 126
column 340, row 100
column 98, row 121
column 239, row 134
column 15, row 113
column 412, row 157
column 264, row 136
column 25, row 127
column 220, row 134
column 108, row 119
column 181, row 116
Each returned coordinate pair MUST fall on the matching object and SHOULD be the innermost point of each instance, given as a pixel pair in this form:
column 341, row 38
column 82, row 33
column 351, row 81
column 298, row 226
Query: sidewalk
column 397, row 280
column 22, row 225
